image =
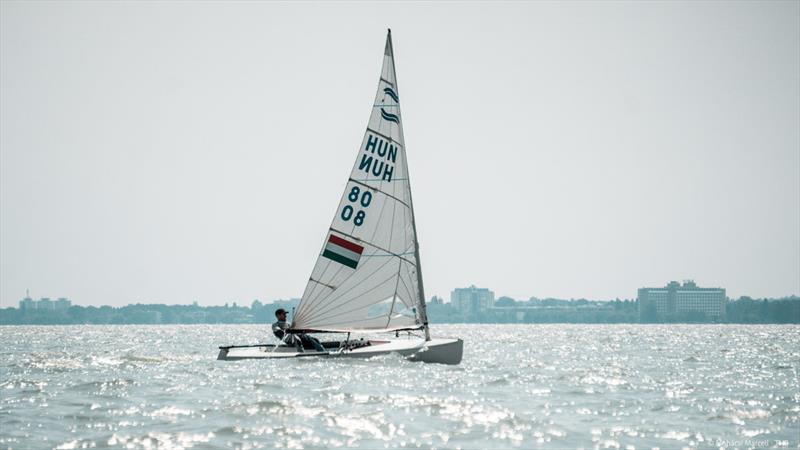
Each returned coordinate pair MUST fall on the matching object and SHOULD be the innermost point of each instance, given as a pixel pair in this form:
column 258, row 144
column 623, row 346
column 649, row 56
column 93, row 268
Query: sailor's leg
column 317, row 344
column 314, row 342
column 297, row 342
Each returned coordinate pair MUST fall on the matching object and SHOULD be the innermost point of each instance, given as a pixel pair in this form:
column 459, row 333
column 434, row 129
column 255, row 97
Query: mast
column 423, row 310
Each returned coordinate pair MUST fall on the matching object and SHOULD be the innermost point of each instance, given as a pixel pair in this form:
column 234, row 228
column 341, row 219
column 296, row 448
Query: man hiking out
column 299, row 340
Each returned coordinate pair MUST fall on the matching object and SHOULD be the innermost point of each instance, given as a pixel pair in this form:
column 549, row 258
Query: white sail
column 366, row 276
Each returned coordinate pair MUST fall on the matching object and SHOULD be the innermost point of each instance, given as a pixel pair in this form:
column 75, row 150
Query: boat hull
column 438, row 351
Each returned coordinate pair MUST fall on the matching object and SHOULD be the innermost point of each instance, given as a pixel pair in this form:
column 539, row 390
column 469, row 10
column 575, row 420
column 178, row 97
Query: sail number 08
column 362, row 198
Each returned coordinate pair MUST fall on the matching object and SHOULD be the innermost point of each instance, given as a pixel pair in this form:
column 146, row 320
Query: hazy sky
column 174, row 152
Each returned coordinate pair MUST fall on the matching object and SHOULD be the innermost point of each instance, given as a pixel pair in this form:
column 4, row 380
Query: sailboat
column 368, row 277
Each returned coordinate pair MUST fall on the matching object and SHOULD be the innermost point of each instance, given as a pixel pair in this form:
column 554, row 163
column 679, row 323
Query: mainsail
column 367, row 276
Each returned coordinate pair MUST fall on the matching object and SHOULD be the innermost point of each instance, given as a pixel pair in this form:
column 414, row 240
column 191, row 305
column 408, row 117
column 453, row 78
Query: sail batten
column 370, row 130
column 366, row 275
column 382, row 192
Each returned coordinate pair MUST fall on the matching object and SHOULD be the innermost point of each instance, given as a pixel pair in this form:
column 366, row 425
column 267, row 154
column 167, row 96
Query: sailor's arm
column 278, row 330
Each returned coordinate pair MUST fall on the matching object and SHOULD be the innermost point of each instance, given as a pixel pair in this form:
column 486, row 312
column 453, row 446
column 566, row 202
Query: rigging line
column 375, row 255
column 403, row 302
column 405, row 213
column 373, row 245
column 408, row 231
column 320, row 299
column 411, row 294
column 394, row 210
column 323, row 295
column 309, row 290
column 379, row 190
column 368, row 319
column 408, row 291
column 317, row 308
column 339, row 267
column 380, row 217
column 410, row 285
column 381, row 330
column 323, row 322
column 301, row 310
column 302, row 307
column 320, row 282
column 410, row 275
column 312, row 297
column 408, row 303
column 414, row 294
column 391, row 236
column 323, row 308
column 391, row 229
column 385, row 80
column 400, row 263
column 394, row 296
column 324, row 315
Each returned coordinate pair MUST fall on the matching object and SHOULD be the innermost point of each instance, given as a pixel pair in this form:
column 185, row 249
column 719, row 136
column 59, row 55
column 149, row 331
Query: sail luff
column 423, row 309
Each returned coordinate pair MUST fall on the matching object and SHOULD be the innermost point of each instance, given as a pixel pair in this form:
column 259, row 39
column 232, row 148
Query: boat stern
column 440, row 351
column 223, row 354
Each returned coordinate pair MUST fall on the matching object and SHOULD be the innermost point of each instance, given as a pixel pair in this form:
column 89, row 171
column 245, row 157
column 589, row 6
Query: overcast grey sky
column 173, row 152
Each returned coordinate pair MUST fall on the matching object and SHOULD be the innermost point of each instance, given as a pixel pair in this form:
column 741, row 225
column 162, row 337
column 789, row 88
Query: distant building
column 45, row 303
column 27, row 303
column 436, row 300
column 62, row 304
column 505, row 301
column 681, row 300
column 472, row 299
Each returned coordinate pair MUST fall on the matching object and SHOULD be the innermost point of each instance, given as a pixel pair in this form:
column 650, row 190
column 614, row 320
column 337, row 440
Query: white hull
column 441, row 351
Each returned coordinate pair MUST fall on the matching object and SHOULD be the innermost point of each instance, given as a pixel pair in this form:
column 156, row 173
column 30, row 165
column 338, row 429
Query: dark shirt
column 279, row 327
column 300, row 340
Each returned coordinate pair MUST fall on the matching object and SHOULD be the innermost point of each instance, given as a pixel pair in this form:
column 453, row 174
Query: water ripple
column 526, row 386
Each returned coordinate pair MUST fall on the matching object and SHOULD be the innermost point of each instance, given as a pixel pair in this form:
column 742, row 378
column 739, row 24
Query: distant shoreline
column 744, row 310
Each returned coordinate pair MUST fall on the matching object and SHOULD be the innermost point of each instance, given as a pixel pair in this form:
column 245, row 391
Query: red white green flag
column 343, row 251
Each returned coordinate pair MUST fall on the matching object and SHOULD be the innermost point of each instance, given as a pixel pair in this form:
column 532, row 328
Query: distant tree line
column 506, row 310
column 548, row 310
column 748, row 310
column 147, row 314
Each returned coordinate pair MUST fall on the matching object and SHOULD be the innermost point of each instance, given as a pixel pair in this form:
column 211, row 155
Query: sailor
column 299, row 340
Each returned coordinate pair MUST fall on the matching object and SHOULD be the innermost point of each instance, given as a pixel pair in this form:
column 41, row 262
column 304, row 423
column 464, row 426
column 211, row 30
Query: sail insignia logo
column 387, row 115
column 391, row 93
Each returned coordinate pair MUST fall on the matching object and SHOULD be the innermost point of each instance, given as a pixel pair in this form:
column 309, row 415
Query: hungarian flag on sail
column 342, row 251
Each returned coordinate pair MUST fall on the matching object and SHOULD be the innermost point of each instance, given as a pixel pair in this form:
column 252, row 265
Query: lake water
column 527, row 386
